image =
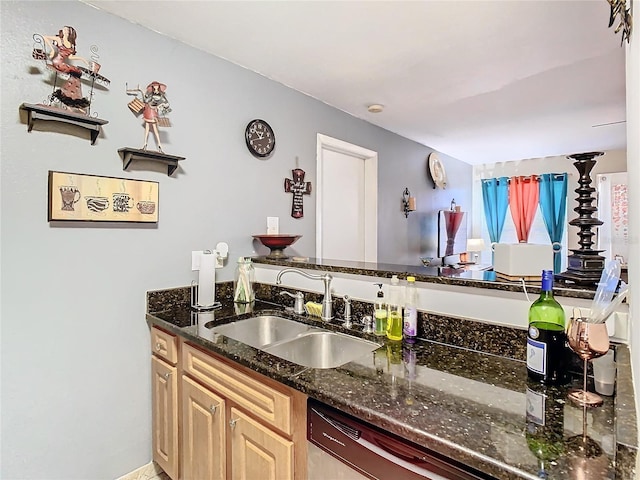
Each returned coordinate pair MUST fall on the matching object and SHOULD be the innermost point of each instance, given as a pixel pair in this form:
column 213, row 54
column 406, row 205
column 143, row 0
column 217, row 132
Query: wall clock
column 436, row 170
column 260, row 138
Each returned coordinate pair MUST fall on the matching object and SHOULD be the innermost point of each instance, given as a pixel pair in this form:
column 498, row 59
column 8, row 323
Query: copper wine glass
column 587, row 340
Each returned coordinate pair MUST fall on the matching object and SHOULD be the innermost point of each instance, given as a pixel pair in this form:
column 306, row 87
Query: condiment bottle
column 380, row 313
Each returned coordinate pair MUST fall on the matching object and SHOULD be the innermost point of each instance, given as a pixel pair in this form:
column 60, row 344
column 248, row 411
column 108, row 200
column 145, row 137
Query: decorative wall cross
column 298, row 187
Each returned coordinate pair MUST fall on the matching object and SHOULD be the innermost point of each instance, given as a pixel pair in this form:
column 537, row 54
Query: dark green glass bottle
column 546, row 337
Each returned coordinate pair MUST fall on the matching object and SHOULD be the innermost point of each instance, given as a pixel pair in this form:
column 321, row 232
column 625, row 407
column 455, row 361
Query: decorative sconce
column 474, row 246
column 408, row 202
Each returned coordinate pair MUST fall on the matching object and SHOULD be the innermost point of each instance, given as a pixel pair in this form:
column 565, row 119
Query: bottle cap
column 394, row 280
column 547, row 280
column 411, row 279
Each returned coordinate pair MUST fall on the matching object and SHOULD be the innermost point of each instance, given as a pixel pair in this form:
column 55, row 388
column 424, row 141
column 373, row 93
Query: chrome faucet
column 327, row 308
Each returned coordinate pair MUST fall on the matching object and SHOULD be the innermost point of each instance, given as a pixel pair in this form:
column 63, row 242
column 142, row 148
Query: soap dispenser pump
column 380, row 313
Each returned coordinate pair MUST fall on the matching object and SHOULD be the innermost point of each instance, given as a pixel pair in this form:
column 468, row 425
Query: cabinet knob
column 213, row 408
column 167, row 375
column 232, row 423
column 158, row 347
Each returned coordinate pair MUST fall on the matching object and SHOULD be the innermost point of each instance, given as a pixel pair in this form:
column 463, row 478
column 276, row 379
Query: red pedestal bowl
column 277, row 242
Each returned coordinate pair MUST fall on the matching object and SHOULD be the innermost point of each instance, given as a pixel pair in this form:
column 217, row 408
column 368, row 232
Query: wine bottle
column 545, row 425
column 546, row 337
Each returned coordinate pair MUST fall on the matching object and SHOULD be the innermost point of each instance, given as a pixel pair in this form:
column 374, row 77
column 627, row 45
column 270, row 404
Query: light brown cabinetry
column 264, row 419
column 203, row 433
column 258, row 452
column 164, row 395
column 232, row 422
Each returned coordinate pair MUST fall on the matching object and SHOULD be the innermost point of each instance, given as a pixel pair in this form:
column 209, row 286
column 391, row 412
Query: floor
column 151, row 471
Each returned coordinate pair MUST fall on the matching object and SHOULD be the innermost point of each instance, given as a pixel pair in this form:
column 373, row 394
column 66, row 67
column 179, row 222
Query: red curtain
column 523, row 203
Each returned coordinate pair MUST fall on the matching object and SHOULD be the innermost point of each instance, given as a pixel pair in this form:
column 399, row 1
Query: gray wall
column 75, row 355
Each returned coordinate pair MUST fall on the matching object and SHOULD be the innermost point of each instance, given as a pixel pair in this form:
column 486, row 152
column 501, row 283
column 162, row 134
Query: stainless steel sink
column 296, row 342
column 262, row 330
column 322, row 349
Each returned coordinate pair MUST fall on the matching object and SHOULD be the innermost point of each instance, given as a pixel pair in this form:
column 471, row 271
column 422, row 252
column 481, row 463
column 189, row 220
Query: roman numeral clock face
column 260, row 138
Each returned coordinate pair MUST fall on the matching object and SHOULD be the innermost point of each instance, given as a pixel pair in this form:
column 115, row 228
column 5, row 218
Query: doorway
column 346, row 201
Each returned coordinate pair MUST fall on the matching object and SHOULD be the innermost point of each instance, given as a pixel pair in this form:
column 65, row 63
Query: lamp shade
column 475, row 244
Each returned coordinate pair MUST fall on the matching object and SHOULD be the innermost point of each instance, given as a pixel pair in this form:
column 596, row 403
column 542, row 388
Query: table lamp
column 475, row 246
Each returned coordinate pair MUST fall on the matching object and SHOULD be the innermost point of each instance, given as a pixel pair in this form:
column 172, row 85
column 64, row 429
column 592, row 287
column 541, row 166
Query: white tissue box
column 524, row 260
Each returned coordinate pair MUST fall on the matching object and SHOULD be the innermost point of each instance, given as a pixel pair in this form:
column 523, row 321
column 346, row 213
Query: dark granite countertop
column 466, row 405
column 468, row 276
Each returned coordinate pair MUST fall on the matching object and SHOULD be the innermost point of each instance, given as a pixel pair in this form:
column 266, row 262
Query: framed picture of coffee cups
column 93, row 198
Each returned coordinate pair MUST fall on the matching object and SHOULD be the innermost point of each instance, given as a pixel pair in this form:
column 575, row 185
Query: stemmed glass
column 588, row 341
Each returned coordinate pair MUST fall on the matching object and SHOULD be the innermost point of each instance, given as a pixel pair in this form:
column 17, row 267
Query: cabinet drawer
column 164, row 345
column 264, row 402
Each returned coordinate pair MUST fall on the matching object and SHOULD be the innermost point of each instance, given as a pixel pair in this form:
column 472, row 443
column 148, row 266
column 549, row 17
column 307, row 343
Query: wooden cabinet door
column 165, row 416
column 257, row 452
column 203, row 433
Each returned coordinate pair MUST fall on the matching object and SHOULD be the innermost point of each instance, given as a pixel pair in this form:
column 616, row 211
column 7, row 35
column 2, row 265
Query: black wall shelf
column 129, row 154
column 45, row 112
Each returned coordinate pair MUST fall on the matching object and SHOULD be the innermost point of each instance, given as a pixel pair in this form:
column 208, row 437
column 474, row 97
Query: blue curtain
column 553, row 204
column 495, row 194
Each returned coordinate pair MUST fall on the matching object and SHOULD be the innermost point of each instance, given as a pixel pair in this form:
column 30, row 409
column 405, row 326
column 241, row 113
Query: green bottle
column 546, row 338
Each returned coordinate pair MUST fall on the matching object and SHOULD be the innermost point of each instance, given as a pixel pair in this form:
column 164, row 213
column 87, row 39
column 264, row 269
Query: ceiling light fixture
column 375, row 108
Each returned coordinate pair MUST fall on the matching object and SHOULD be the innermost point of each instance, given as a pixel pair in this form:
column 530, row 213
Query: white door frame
column 371, row 192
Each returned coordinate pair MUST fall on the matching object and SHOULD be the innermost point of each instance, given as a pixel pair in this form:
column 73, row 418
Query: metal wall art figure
column 59, row 54
column 153, row 105
column 619, row 9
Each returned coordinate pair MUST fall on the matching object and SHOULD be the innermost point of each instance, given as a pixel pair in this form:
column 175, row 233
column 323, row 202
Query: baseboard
column 146, row 472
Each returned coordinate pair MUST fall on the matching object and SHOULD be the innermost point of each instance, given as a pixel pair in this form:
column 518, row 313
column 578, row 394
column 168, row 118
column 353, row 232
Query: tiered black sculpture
column 585, row 265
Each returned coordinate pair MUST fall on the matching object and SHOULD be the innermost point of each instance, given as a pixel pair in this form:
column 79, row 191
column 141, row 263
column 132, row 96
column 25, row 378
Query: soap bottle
column 394, row 319
column 380, row 312
column 410, row 327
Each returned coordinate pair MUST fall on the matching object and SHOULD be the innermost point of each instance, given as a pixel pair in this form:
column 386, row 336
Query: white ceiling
column 481, row 81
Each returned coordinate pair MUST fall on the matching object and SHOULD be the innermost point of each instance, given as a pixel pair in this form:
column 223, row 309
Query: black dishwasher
column 374, row 453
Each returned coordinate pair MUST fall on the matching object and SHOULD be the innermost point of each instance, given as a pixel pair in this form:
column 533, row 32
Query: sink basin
column 262, row 330
column 322, row 349
column 296, row 342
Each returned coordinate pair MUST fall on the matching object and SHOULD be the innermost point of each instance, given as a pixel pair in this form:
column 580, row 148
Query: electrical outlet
column 195, row 260
column 273, row 225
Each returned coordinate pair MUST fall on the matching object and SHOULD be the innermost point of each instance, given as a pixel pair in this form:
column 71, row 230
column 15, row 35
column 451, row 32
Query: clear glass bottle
column 394, row 322
column 243, row 284
column 546, row 339
column 394, row 319
column 380, row 313
column 410, row 327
